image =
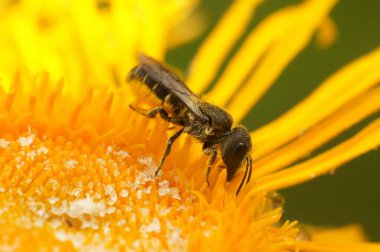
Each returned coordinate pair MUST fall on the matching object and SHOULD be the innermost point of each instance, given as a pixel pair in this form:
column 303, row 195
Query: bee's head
column 234, row 149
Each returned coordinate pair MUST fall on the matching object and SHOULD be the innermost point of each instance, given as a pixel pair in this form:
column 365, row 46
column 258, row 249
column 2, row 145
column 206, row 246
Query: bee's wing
column 173, row 83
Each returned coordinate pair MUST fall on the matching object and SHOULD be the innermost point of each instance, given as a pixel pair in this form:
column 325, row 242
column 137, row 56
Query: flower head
column 78, row 165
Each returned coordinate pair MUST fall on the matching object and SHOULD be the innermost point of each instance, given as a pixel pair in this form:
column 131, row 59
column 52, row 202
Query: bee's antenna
column 249, row 160
column 245, row 176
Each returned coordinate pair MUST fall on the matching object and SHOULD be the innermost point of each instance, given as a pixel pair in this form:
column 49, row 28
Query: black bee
column 208, row 123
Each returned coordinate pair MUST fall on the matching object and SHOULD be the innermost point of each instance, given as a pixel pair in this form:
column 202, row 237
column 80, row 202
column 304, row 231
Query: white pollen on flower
column 182, row 208
column 71, row 163
column 109, row 190
column 81, row 207
column 4, row 143
column 174, row 238
column 106, row 230
column 53, row 200
column 124, row 193
column 21, row 164
column 54, row 184
column 97, row 248
column 47, row 165
column 39, row 222
column 38, row 191
column 43, row 150
column 128, row 208
column 31, row 154
column 145, row 160
column 77, row 239
column 121, row 222
column 143, row 177
column 153, row 227
column 116, row 173
column 148, row 190
column 121, row 153
column 162, row 210
column 28, row 180
column 163, row 188
column 206, row 233
column 136, row 244
column 174, row 192
column 93, row 223
column 144, row 212
column 55, row 223
column 38, row 208
column 133, row 217
column 26, row 141
column 18, row 159
column 139, row 194
column 76, row 192
column 109, row 150
column 101, row 161
column 110, row 210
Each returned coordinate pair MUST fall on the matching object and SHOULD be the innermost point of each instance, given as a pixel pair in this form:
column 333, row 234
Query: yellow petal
column 266, row 52
column 349, row 233
column 347, row 238
column 366, row 140
column 338, row 247
column 187, row 30
column 337, row 90
column 63, row 38
column 327, row 33
column 350, row 114
column 210, row 56
column 278, row 57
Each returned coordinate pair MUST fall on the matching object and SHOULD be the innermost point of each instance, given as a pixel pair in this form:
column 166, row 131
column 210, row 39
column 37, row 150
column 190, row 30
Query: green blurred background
column 352, row 194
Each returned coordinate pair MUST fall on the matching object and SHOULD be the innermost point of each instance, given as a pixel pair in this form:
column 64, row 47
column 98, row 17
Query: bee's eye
column 233, row 154
column 234, row 149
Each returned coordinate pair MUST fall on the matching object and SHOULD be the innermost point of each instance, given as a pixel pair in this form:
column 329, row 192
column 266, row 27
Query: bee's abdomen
column 138, row 73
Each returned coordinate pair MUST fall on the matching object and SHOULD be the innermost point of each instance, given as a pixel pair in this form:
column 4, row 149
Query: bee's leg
column 209, row 150
column 138, row 110
column 164, row 115
column 168, row 149
column 151, row 114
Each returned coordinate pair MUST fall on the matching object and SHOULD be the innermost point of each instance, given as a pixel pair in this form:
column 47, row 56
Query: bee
column 205, row 122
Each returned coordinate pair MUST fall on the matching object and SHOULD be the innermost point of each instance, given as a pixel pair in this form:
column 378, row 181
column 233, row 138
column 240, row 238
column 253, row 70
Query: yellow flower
column 77, row 165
